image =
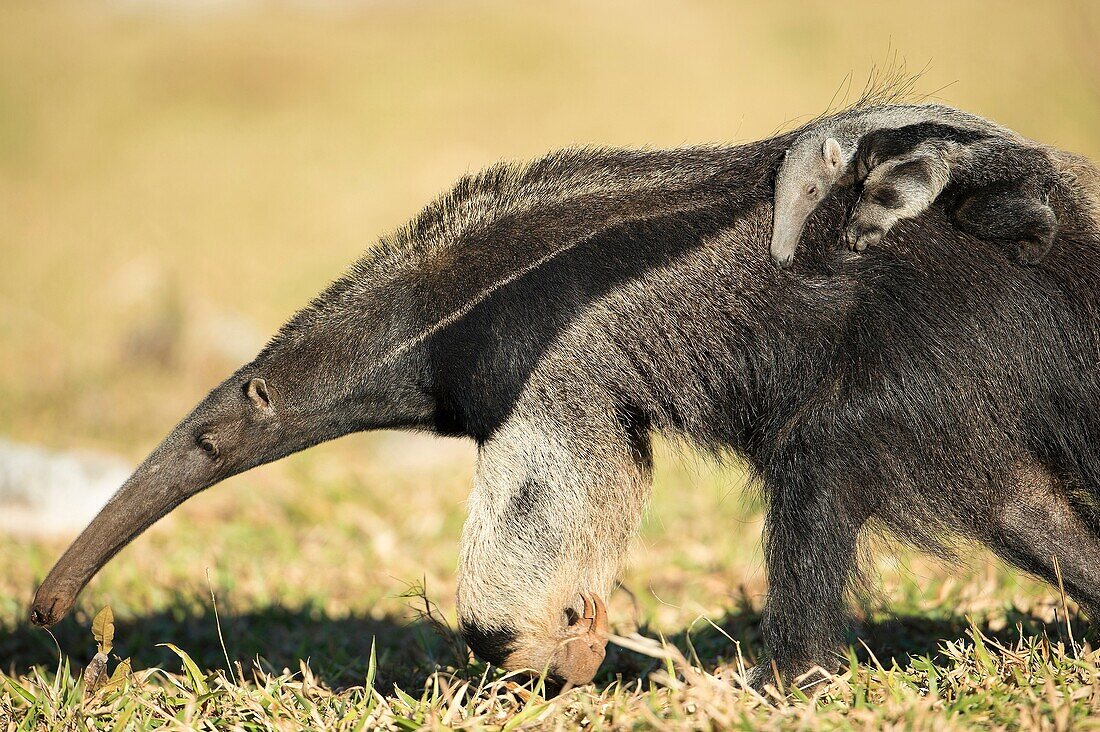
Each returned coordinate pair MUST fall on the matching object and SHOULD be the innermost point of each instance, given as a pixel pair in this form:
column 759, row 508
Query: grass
column 322, row 569
column 1026, row 685
column 174, row 183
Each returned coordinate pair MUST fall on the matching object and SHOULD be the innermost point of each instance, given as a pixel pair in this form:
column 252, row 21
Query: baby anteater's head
column 812, row 166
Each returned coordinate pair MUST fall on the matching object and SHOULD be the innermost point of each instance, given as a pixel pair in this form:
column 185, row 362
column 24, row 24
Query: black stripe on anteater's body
column 560, row 313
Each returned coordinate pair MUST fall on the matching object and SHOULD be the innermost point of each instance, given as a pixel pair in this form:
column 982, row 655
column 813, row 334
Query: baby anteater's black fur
column 559, row 313
column 997, row 186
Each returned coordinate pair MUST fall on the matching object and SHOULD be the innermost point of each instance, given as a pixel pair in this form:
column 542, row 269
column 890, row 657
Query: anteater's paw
column 858, row 237
column 760, row 676
column 581, row 652
column 769, row 680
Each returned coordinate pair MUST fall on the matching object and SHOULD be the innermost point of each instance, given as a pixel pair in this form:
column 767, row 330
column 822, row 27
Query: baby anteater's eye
column 811, row 189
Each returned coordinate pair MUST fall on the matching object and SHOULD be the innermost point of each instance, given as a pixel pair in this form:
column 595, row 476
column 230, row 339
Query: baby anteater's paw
column 859, row 236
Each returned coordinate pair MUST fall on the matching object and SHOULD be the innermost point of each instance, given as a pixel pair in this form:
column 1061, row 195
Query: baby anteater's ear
column 831, row 153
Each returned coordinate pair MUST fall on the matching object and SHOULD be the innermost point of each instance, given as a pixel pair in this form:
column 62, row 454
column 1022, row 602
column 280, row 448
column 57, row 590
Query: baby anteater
column 992, row 183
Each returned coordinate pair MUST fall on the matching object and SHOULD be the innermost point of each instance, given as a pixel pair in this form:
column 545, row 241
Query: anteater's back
column 922, row 363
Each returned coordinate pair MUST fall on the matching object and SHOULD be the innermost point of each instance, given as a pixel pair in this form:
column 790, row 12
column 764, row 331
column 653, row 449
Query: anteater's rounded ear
column 256, row 389
column 831, row 152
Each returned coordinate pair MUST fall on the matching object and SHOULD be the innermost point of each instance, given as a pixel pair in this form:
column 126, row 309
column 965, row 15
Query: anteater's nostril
column 40, row 614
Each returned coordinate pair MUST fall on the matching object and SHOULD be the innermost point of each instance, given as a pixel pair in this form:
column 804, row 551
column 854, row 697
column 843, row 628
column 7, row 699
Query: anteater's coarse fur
column 562, row 312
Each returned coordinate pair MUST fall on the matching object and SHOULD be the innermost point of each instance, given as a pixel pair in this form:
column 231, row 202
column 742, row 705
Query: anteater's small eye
column 811, row 189
column 207, row 445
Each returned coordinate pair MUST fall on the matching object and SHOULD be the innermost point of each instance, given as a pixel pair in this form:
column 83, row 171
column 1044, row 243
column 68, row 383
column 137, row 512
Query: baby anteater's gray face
column 812, row 166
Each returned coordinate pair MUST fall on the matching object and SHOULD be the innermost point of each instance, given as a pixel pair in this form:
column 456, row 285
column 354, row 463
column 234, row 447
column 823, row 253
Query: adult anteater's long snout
column 143, row 499
column 248, row 420
column 233, row 429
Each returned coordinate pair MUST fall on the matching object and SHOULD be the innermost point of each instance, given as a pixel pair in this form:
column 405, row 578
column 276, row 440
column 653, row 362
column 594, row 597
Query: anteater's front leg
column 810, row 549
column 552, row 512
column 901, row 188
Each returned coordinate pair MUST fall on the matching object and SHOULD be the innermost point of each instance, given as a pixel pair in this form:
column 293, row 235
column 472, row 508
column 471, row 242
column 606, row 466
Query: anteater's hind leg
column 1000, row 190
column 1037, row 524
column 1008, row 211
column 812, row 532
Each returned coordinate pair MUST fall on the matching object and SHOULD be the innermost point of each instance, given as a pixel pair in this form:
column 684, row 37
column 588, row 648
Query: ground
column 322, row 568
column 176, row 180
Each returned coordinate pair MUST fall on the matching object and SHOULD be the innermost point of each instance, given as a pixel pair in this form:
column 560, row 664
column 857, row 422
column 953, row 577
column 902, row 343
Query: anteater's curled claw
column 582, row 651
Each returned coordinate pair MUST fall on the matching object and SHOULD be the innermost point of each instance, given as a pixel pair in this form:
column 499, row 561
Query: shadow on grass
column 338, row 648
column 892, row 639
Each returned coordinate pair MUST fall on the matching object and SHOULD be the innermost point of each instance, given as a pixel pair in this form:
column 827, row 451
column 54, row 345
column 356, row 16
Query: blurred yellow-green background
column 177, row 177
